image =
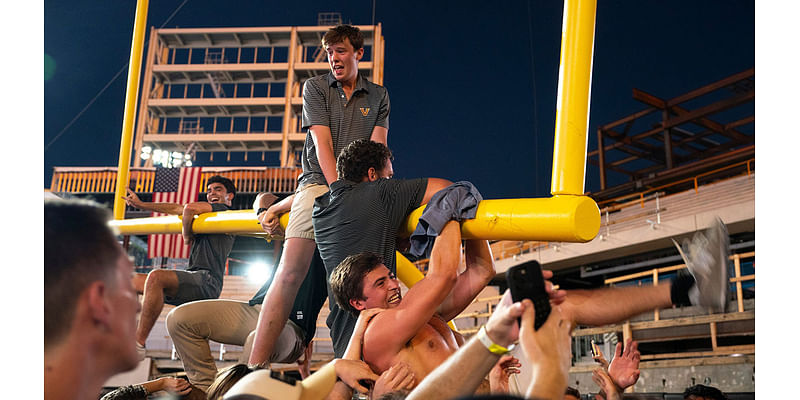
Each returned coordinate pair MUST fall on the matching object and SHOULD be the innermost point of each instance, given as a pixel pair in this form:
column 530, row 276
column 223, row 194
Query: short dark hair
column 337, row 34
column 79, row 248
column 707, row 392
column 347, row 279
column 572, row 392
column 358, row 157
column 229, row 186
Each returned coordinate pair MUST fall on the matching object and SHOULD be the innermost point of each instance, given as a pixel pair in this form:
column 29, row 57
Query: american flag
column 173, row 185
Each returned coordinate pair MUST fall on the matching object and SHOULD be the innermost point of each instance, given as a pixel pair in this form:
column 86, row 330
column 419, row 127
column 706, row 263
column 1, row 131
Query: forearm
column 460, row 375
column 187, row 219
column 324, row 149
column 154, row 385
column 320, row 383
column 479, row 271
column 164, row 208
column 283, row 206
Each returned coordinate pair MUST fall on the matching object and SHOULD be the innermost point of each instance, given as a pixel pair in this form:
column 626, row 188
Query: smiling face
column 343, row 60
column 217, row 193
column 381, row 290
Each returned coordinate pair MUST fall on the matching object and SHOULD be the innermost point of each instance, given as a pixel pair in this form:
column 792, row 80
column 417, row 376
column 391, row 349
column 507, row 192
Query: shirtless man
column 413, row 329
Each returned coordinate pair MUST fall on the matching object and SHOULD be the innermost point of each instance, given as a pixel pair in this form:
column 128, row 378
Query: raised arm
column 479, row 271
column 324, row 144
column 394, row 327
column 434, row 185
column 165, row 208
column 189, row 211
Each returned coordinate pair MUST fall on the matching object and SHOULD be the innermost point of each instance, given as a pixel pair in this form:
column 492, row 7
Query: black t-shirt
column 310, row 297
column 358, row 217
column 210, row 251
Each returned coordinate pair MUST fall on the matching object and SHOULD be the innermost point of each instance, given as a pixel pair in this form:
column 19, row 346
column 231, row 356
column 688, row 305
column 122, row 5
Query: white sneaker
column 141, row 351
column 707, row 261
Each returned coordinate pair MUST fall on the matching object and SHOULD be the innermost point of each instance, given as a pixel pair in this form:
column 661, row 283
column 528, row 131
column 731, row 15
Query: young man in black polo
column 363, row 212
column 338, row 108
column 203, row 278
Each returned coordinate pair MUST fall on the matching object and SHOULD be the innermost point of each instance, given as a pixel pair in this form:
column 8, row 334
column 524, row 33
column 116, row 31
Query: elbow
column 190, row 210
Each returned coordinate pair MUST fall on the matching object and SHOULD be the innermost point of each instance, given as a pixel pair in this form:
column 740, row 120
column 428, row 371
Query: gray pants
column 193, row 324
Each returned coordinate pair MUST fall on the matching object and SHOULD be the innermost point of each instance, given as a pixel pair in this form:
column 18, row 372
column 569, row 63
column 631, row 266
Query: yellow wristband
column 490, row 345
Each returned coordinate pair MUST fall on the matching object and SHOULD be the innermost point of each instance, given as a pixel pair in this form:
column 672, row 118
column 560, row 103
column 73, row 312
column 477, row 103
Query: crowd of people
column 340, row 244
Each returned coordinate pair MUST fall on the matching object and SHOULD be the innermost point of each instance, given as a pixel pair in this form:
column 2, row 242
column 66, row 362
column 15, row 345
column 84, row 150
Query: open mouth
column 395, row 299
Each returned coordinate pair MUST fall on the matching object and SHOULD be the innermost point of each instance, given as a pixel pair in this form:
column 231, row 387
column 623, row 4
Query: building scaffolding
column 235, row 89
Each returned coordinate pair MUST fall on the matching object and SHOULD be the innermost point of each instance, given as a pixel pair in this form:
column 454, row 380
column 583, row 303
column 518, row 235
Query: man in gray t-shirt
column 203, row 278
column 363, row 212
column 338, row 108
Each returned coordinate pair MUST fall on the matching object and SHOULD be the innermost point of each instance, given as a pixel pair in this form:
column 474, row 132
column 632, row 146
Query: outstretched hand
column 598, row 356
column 606, row 385
column 132, row 199
column 624, row 368
column 498, row 377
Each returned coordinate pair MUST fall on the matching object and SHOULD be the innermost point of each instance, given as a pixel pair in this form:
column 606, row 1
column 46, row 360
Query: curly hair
column 339, row 33
column 347, row 279
column 358, row 157
column 229, row 186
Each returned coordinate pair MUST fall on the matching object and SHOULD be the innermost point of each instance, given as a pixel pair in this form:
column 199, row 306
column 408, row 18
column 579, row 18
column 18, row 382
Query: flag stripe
column 181, row 191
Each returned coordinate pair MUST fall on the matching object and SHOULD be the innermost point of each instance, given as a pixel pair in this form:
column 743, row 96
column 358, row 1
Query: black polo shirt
column 324, row 103
column 210, row 251
column 358, row 217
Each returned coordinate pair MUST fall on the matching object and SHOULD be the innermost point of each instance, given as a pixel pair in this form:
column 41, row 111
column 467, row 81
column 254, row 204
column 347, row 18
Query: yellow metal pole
column 572, row 105
column 134, row 67
column 558, row 218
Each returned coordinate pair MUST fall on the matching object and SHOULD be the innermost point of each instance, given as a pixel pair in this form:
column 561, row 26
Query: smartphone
column 526, row 282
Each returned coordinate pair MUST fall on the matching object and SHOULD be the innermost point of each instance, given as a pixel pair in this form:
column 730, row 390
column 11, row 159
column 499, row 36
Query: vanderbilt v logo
column 364, row 110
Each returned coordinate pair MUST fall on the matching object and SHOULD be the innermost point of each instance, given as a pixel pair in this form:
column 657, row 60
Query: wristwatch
column 492, row 346
column 260, row 210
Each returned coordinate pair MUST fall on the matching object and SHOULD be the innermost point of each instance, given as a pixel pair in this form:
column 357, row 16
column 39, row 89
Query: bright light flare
column 259, row 272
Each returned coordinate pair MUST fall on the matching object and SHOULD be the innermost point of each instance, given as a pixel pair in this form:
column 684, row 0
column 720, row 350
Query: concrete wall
column 728, row 378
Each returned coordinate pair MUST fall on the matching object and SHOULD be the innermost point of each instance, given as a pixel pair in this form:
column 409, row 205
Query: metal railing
column 506, row 249
column 104, row 179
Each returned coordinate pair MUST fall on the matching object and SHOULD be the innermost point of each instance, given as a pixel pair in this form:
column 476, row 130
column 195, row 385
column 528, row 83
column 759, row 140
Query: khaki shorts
column 300, row 225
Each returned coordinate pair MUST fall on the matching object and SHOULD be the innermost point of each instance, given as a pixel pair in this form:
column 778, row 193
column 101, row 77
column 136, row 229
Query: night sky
column 472, row 84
